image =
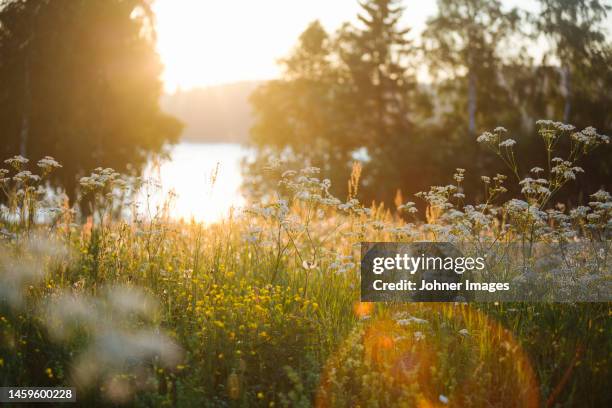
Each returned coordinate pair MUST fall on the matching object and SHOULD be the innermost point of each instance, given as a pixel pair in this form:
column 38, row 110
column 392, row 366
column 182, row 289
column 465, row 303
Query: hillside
column 218, row 113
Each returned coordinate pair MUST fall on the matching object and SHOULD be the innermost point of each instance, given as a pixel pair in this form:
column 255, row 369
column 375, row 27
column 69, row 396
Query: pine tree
column 375, row 56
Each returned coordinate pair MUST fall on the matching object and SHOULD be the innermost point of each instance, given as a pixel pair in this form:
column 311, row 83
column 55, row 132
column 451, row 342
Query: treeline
column 353, row 94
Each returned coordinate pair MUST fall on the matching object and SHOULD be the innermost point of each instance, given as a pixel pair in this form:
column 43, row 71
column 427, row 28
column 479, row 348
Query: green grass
column 263, row 309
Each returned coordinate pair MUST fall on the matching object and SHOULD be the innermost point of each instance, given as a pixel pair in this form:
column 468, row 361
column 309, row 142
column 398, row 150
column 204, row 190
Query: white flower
column 17, row 161
column 601, row 195
column 486, row 137
column 411, row 319
column 309, row 265
column 408, row 207
column 537, row 170
column 48, row 163
column 544, row 122
column 25, row 176
column 507, row 143
column 516, row 205
column 443, row 399
column 464, row 332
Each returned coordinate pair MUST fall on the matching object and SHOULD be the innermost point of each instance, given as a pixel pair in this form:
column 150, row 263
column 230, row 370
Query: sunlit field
column 225, row 204
column 263, row 307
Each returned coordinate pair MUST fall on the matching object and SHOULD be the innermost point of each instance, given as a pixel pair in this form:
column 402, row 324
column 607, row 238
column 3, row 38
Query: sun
column 206, row 43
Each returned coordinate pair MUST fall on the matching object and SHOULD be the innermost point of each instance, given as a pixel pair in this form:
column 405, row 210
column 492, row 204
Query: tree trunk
column 25, row 114
column 567, row 89
column 472, row 103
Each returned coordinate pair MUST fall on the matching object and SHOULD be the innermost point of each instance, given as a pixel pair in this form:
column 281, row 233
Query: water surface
column 205, row 177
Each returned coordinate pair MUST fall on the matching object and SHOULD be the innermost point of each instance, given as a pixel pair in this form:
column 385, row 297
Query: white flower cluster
column 564, row 169
column 589, row 137
column 534, row 187
column 408, row 207
column 48, row 164
column 17, row 162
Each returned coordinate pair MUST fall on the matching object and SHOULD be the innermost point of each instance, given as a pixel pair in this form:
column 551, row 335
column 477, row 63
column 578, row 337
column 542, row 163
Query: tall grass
column 262, row 308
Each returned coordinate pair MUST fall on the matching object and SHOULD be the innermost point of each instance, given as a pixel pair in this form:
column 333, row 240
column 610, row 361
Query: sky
column 205, row 42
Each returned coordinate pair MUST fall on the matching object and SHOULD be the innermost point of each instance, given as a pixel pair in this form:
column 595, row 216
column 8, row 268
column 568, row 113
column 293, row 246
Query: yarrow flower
column 507, row 143
column 486, row 137
column 408, row 207
column 16, row 161
column 48, row 163
column 25, row 176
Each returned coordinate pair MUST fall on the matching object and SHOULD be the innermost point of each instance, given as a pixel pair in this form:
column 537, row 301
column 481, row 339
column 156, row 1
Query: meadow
column 133, row 307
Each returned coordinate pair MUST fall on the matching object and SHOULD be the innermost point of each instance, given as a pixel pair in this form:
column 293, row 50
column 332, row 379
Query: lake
column 189, row 174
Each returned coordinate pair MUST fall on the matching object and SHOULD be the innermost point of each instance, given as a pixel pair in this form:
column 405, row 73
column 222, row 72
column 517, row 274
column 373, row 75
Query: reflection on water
column 189, row 173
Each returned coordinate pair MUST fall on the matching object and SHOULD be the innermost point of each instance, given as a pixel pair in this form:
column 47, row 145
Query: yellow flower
column 49, row 372
column 260, row 395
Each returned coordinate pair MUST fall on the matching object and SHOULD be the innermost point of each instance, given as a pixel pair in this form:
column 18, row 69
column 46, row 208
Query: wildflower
column 459, row 175
column 408, row 207
column 48, row 163
column 537, row 170
column 601, row 195
column 500, row 129
column 486, row 137
column 507, row 143
column 464, row 332
column 25, row 176
column 418, row 336
column 517, row 205
column 443, row 399
column 309, row 265
column 16, row 162
column 544, row 122
column 411, row 319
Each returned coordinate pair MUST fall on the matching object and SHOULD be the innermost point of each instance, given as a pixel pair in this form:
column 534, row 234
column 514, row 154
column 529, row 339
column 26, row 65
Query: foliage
column 80, row 81
column 353, row 94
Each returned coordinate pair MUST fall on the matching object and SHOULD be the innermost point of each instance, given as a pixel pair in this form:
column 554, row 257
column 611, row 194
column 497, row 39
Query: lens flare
column 429, row 355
